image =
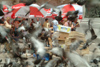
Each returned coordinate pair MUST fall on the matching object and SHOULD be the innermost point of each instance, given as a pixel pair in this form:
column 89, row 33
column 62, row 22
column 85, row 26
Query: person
column 55, row 24
column 65, row 22
column 7, row 23
column 38, row 22
column 74, row 25
column 16, row 26
column 46, row 24
column 32, row 21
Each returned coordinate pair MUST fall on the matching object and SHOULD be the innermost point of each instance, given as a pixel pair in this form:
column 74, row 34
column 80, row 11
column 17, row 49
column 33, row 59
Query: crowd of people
column 16, row 23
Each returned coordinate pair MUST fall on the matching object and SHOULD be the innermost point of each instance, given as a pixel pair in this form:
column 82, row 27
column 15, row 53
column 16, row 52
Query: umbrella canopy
column 13, row 13
column 22, row 11
column 73, row 7
column 38, row 13
column 48, row 10
column 32, row 10
column 17, row 6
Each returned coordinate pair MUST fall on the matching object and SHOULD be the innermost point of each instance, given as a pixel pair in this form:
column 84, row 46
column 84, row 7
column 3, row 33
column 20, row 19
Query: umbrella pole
column 27, row 13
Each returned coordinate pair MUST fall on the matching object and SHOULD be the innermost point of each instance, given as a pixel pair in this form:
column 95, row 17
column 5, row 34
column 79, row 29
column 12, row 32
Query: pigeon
column 39, row 46
column 75, row 45
column 43, row 6
column 28, row 2
column 57, row 51
column 73, row 1
column 72, row 15
column 81, row 2
column 93, row 37
column 78, row 60
column 53, row 62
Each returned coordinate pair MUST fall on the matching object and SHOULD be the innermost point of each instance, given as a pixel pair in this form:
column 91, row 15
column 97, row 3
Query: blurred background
column 92, row 7
column 53, row 2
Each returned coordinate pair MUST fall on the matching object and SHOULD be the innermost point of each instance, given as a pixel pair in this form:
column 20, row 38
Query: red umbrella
column 37, row 13
column 5, row 9
column 20, row 12
column 72, row 7
column 13, row 13
column 48, row 10
column 15, row 9
column 17, row 6
column 67, row 8
column 31, row 11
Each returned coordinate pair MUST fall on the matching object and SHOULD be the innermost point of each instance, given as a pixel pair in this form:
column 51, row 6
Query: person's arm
column 77, row 24
column 50, row 42
column 2, row 24
column 40, row 24
column 72, row 26
column 69, row 23
column 49, row 25
column 52, row 23
column 43, row 24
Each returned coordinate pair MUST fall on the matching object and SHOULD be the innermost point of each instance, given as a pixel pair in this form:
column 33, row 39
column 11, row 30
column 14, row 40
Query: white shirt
column 7, row 24
column 55, row 22
column 38, row 22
